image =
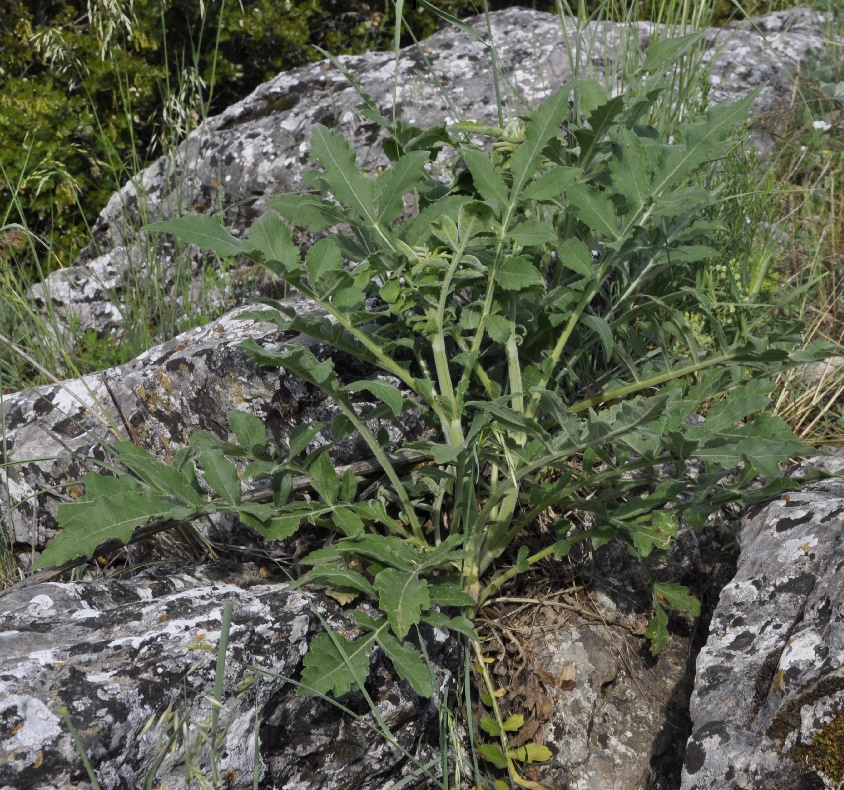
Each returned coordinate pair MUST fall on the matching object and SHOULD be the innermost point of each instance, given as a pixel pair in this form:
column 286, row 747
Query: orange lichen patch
column 166, row 383
column 38, row 760
column 162, row 618
column 74, row 492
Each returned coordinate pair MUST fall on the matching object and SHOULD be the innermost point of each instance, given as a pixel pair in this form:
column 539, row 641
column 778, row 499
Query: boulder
column 55, row 434
column 580, row 671
column 768, row 702
column 134, row 664
column 258, row 147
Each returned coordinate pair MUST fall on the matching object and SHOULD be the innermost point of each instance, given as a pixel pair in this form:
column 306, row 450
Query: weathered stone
column 769, row 687
column 54, row 434
column 258, row 147
column 134, row 663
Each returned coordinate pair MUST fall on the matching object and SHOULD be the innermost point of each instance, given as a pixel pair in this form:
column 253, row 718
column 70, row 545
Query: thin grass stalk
column 219, row 678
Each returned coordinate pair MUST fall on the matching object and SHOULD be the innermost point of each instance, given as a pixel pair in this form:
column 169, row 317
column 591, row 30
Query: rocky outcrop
column 134, row 663
column 134, row 660
column 119, row 654
column 768, row 703
column 258, row 147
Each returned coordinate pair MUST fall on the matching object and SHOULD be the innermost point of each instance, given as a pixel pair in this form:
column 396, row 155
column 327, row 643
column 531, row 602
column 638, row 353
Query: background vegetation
column 94, row 89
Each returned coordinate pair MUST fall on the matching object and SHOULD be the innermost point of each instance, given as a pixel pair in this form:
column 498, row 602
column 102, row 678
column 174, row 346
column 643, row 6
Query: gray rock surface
column 134, row 663
column 768, row 703
column 258, row 147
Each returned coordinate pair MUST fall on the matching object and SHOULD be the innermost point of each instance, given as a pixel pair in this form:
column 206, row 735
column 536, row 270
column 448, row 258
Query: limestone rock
column 134, row 663
column 768, row 703
column 258, row 147
column 55, row 434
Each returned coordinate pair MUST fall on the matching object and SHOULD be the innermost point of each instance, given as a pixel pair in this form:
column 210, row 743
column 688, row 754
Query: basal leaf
column 345, row 180
column 270, row 237
column 402, row 596
column 249, row 430
column 335, row 666
column 487, row 179
column 203, row 230
column 221, row 475
column 408, row 663
column 113, row 514
column 381, row 390
column 533, row 233
column 517, row 274
column 594, row 208
column 551, row 184
column 393, row 183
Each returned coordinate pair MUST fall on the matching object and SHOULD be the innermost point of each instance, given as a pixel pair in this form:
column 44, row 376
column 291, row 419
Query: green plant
column 552, row 265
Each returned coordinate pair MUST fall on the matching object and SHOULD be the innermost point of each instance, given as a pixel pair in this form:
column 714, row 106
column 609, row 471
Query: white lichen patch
column 795, row 549
column 802, row 650
column 38, row 727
